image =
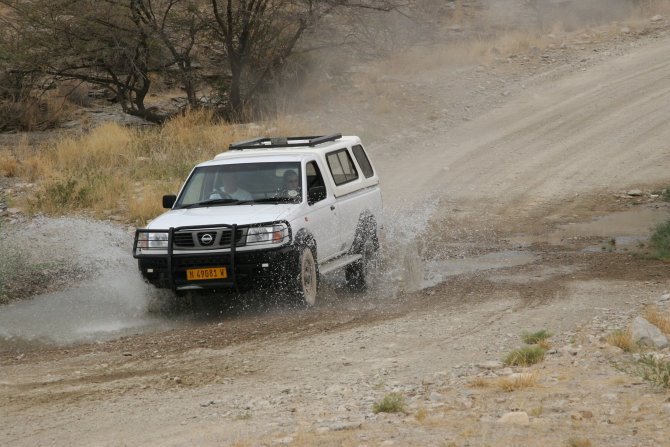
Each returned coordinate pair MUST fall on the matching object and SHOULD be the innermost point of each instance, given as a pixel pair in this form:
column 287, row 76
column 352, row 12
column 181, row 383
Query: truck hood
column 232, row 214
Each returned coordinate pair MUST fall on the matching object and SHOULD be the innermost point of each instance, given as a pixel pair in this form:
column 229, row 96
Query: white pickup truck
column 270, row 213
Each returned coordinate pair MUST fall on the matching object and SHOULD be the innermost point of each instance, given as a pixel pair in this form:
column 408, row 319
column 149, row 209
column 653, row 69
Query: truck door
column 350, row 200
column 322, row 213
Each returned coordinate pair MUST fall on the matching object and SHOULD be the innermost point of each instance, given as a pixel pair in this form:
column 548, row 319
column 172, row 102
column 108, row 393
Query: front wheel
column 307, row 278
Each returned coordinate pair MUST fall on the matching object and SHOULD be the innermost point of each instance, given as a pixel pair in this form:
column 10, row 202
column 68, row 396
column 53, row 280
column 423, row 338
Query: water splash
column 112, row 302
column 403, row 265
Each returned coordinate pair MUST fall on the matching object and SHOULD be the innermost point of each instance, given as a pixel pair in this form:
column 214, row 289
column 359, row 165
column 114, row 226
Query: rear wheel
column 357, row 274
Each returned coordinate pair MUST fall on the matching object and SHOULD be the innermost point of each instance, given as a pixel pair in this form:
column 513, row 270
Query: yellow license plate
column 204, row 274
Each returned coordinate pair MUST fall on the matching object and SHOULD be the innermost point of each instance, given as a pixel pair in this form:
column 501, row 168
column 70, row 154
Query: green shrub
column 526, row 356
column 533, row 338
column 392, row 403
column 660, row 241
column 655, row 371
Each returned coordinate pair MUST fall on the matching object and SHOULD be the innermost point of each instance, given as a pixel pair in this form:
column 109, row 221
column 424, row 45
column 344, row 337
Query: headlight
column 276, row 234
column 152, row 240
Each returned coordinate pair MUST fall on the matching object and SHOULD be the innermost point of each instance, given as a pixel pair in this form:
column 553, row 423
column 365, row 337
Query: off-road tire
column 366, row 244
column 305, row 278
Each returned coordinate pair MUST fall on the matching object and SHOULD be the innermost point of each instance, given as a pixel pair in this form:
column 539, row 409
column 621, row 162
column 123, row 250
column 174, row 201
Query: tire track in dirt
column 605, row 128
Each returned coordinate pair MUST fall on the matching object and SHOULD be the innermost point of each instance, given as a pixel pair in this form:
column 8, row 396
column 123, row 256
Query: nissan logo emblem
column 206, row 239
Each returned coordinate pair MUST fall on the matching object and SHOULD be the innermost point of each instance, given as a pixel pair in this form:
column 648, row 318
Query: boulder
column 515, row 418
column 645, row 333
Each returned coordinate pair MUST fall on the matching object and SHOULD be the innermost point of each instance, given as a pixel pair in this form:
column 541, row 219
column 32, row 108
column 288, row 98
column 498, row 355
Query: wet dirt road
column 261, row 376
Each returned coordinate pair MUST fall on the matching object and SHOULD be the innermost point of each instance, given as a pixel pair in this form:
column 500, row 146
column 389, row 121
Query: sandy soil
column 520, row 203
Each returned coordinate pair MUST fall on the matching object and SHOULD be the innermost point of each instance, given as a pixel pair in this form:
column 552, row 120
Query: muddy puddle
column 621, row 230
column 624, row 227
column 114, row 301
column 439, row 271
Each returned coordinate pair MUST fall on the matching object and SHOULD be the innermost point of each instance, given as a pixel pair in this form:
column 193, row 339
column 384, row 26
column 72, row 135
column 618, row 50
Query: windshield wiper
column 275, row 200
column 263, row 200
column 212, row 202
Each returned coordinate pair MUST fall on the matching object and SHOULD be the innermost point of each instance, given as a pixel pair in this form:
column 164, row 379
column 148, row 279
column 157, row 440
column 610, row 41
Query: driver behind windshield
column 291, row 186
column 229, row 189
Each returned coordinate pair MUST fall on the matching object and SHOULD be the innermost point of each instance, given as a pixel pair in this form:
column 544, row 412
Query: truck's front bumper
column 250, row 269
column 165, row 266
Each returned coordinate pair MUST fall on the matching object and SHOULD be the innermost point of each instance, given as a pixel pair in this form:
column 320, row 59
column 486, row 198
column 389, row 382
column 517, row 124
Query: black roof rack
column 265, row 143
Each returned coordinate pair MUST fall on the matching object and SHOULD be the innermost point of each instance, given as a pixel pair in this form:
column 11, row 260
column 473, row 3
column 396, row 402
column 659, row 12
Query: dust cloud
column 566, row 14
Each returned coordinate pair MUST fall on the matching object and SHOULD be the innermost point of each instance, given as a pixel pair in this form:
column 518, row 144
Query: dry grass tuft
column 579, row 442
column 518, row 381
column 658, row 318
column 480, row 382
column 421, row 415
column 621, row 339
column 32, row 113
column 9, row 166
column 148, row 203
column 124, row 171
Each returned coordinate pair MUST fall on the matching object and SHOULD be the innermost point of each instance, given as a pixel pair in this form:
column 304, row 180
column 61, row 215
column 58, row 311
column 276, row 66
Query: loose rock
column 515, row 418
column 492, row 364
column 645, row 333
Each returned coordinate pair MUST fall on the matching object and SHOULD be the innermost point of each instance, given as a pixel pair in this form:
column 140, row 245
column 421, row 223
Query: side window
column 316, row 189
column 363, row 161
column 341, row 166
column 313, row 175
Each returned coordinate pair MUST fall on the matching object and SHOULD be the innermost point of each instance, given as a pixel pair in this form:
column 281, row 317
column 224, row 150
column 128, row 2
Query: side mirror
column 316, row 194
column 169, row 200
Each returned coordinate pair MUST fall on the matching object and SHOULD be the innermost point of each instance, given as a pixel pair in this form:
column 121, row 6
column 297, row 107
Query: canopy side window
column 341, row 167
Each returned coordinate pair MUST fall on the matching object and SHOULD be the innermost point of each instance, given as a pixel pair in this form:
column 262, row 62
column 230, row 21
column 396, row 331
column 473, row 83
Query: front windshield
column 242, row 184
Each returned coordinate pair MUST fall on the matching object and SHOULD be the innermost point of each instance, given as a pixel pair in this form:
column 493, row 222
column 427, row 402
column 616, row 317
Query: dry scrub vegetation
column 121, row 171
column 508, row 384
column 658, row 318
column 35, row 112
column 622, row 339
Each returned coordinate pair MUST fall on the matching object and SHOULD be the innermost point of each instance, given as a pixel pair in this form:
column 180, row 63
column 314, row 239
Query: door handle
column 332, row 207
